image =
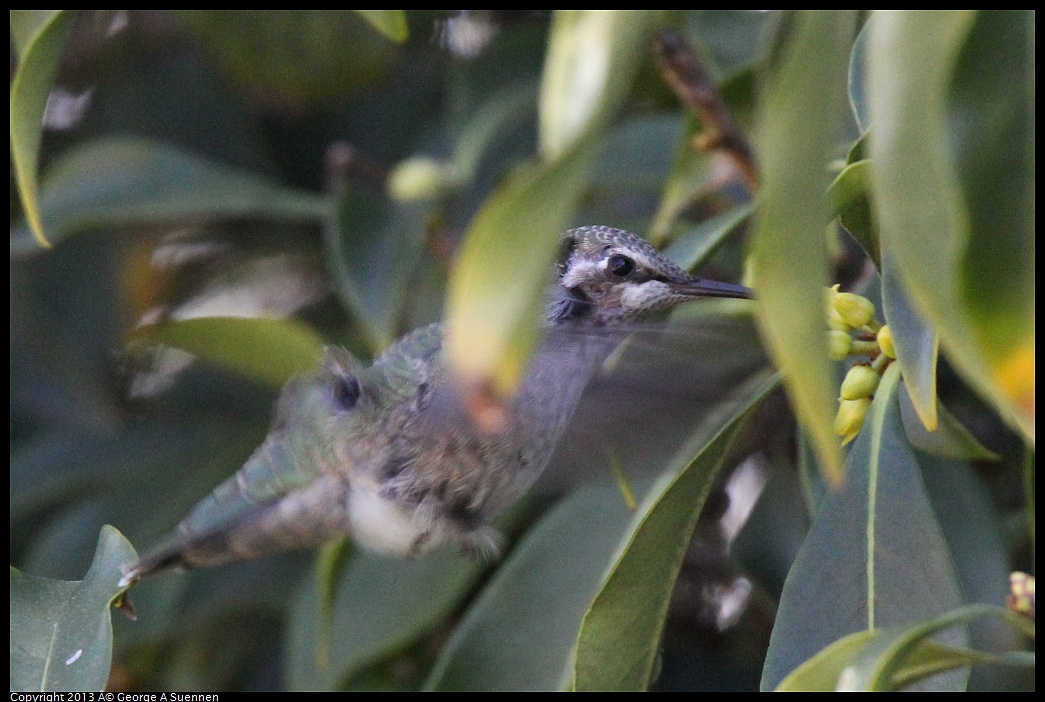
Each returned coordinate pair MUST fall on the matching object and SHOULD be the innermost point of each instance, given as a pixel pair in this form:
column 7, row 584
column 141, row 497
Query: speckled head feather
column 611, row 275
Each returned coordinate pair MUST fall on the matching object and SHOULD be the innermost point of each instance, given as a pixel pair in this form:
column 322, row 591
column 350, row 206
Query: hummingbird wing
column 653, row 391
column 292, row 478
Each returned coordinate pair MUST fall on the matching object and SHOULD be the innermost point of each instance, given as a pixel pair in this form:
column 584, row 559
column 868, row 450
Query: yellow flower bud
column 839, row 344
column 835, row 321
column 885, row 341
column 860, row 381
column 854, row 309
column 850, row 418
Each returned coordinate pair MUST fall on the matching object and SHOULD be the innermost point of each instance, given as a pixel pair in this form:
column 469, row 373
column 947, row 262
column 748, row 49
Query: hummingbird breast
column 440, row 476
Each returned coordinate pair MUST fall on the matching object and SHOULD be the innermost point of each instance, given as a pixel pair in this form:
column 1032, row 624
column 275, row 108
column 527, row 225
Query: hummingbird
column 388, row 454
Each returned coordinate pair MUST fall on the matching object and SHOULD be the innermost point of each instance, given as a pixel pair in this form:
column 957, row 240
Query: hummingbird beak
column 702, row 287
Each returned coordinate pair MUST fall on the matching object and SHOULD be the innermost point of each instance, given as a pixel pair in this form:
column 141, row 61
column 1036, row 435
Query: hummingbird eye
column 620, row 265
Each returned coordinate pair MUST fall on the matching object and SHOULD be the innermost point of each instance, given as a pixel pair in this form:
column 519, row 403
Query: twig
column 689, row 80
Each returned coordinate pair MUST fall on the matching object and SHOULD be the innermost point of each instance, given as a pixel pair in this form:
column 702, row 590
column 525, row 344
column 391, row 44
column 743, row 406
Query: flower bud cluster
column 847, row 312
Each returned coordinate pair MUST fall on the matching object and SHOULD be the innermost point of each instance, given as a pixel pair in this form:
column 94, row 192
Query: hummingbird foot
column 484, row 543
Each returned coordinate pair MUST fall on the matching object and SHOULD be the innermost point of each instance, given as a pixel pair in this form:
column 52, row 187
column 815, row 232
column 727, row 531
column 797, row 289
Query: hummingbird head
column 611, row 276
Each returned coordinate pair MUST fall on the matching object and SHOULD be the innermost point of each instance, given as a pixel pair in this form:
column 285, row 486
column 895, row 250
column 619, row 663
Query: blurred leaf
column 875, row 556
column 521, row 631
column 126, row 181
column 801, row 111
column 505, row 109
column 691, row 175
column 294, row 59
column 949, row 440
column 976, row 537
column 61, row 632
column 934, row 232
column 992, row 136
column 620, row 636
column 502, row 270
column 916, row 343
column 39, row 38
column 390, row 23
column 374, row 252
column 592, row 57
column 813, row 486
column 497, row 288
column 696, row 246
column 849, row 196
column 892, row 658
column 380, row 606
column 270, row 350
column 629, row 176
column 858, row 79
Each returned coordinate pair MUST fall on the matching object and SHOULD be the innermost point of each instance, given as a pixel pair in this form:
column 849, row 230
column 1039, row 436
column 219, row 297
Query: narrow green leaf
column 390, row 23
column 374, row 252
column 61, row 632
column 270, row 350
column 380, row 605
column 917, row 345
column 40, row 41
column 949, row 440
column 690, row 176
column 881, row 665
column 891, row 659
column 849, row 197
column 500, row 275
column 934, row 229
column 875, row 556
column 802, row 109
column 620, row 637
column 520, row 633
column 977, row 538
column 124, row 181
column 991, row 117
column 497, row 287
column 592, row 57
column 858, row 79
column 695, row 247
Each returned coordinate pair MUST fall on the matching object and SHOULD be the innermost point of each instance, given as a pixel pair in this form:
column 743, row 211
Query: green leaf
column 690, row 176
column 849, row 196
column 917, row 345
column 992, row 137
column 125, row 181
column 380, row 606
column 893, row 658
column 857, row 80
column 696, row 246
column 269, row 350
column 61, row 632
column 39, row 38
column 802, row 109
column 938, row 231
column 875, row 556
column 374, row 253
column 390, row 23
column 500, row 275
column 297, row 59
column 520, row 632
column 620, row 637
column 949, row 440
column 592, row 58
